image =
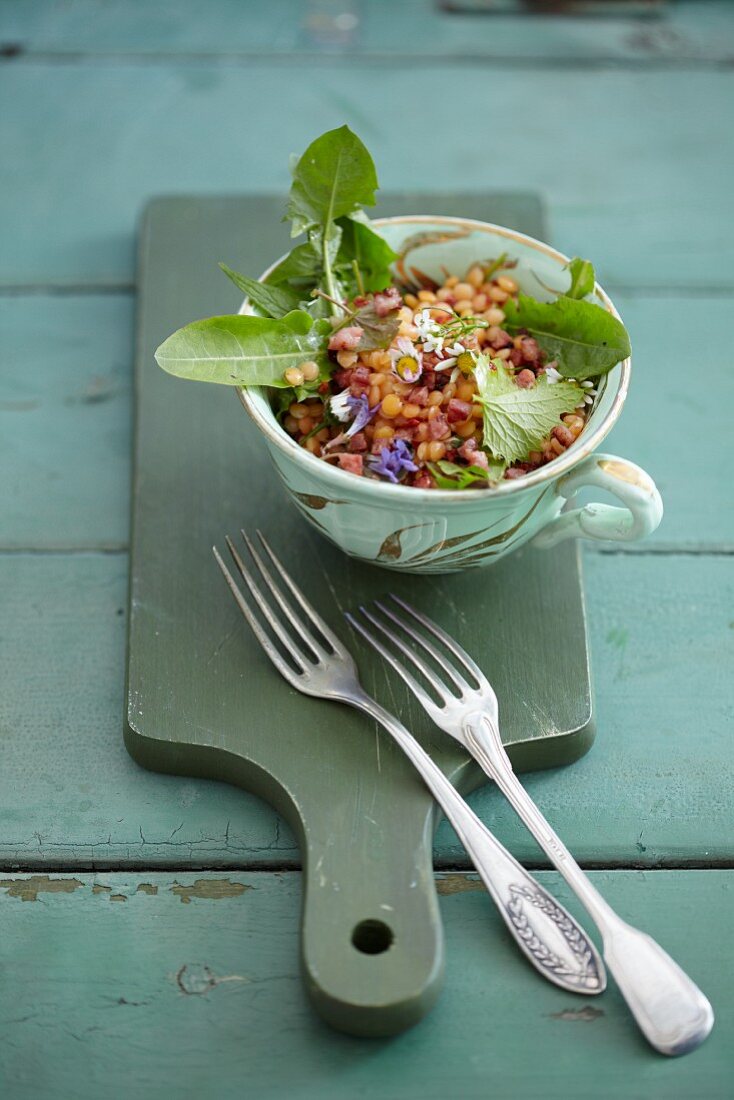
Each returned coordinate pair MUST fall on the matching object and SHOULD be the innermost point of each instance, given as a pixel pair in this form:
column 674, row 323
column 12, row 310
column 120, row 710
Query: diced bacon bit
column 531, row 350
column 358, row 443
column 423, row 481
column 324, row 387
column 480, row 459
column 360, row 300
column 468, row 450
column 407, row 431
column 360, row 380
column 378, row 444
column 498, row 338
column 419, row 395
column 342, row 377
column 525, row 379
column 430, row 377
column 514, row 472
column 458, row 410
column 352, row 463
column 438, row 428
column 386, row 301
column 346, row 339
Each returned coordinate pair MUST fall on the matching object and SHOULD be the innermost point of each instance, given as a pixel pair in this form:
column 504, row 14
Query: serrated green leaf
column 585, row 340
column 334, row 176
column 517, row 420
column 243, row 351
column 272, row 301
column 377, row 332
column 583, row 278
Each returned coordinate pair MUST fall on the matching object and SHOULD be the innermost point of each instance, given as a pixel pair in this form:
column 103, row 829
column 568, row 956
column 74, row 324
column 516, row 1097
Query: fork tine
column 298, row 625
column 288, row 642
column 326, row 632
column 461, row 655
column 391, row 659
column 283, row 668
column 456, row 678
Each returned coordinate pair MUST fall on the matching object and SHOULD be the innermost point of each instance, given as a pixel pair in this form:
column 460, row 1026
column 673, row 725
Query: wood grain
column 116, row 987
column 683, row 34
column 661, row 644
column 55, row 495
column 637, row 181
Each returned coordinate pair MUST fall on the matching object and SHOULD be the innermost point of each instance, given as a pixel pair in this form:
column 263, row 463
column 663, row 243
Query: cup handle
column 640, row 516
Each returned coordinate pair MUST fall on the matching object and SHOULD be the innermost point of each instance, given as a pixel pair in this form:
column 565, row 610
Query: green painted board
column 202, row 698
column 645, row 192
column 149, row 985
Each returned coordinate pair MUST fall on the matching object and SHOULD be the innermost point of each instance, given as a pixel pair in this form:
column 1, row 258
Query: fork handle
column 671, row 1011
column 546, row 933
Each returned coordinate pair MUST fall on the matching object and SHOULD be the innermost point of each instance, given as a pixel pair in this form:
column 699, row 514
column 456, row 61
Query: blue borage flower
column 394, row 459
column 345, row 407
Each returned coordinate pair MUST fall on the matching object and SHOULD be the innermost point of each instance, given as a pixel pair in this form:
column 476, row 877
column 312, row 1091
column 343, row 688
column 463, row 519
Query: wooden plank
column 644, row 192
column 150, row 985
column 56, row 496
column 655, row 789
column 65, row 413
column 682, row 33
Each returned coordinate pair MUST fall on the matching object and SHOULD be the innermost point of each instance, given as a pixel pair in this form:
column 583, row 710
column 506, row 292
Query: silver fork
column 671, row 1010
column 318, row 664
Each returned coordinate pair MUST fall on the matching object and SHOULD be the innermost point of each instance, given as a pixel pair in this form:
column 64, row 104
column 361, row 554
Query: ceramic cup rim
column 561, row 465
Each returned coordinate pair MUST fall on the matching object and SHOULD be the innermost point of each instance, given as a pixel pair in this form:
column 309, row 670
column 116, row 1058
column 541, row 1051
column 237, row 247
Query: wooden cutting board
column 202, row 700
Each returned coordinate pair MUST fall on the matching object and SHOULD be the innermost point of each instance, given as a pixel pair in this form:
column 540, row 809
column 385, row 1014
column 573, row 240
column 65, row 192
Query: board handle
column 372, row 940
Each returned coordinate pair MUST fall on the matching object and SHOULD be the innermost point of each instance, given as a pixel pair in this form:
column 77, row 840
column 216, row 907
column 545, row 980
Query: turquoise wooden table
column 148, row 924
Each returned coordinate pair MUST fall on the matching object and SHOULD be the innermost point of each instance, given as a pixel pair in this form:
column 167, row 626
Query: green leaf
column 517, row 420
column 377, row 332
column 334, row 176
column 585, row 340
column 273, row 302
column 583, row 279
column 302, row 262
column 244, row 351
column 373, row 254
column 449, row 475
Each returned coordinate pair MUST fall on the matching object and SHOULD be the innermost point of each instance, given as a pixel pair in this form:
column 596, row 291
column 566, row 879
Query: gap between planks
column 564, row 63
column 285, row 867
column 663, row 550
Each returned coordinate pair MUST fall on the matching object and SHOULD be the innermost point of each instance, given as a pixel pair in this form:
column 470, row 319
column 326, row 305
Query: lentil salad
column 388, row 374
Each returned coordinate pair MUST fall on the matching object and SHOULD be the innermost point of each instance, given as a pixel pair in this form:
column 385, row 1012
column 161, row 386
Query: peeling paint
column 195, row 979
column 98, row 888
column 118, row 897
column 146, row 888
column 28, row 889
column 457, row 884
column 211, row 888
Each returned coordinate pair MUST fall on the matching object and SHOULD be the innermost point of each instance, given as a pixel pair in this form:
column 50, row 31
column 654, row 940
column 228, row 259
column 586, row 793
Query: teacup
column 445, row 531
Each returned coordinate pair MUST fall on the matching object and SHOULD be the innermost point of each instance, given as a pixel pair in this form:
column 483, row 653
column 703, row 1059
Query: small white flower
column 406, row 360
column 339, row 405
column 553, row 375
column 429, row 332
